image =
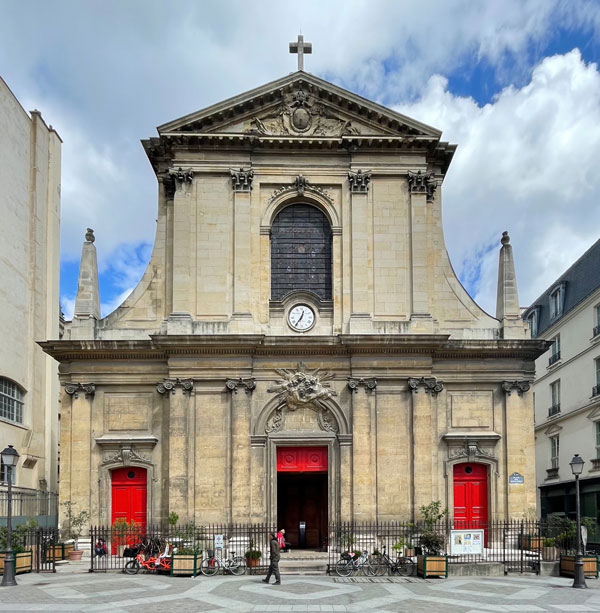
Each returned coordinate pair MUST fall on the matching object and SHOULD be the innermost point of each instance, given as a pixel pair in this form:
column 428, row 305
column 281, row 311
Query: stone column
column 519, row 445
column 242, row 186
column 179, row 393
column 422, row 188
column 184, row 247
column 423, row 391
column 240, row 448
column 76, row 464
column 258, row 478
column 361, row 281
column 364, row 465
column 345, row 478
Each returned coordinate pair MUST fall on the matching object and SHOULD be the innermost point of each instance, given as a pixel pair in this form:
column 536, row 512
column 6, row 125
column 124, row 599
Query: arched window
column 11, row 401
column 301, row 252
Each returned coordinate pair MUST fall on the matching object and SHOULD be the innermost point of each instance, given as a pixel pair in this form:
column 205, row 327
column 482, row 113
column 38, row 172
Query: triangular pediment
column 300, row 105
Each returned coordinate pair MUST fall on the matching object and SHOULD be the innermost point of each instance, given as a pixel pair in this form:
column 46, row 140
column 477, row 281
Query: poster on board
column 464, row 542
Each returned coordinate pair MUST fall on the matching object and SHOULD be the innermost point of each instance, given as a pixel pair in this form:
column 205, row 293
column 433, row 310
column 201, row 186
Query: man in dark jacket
column 274, row 565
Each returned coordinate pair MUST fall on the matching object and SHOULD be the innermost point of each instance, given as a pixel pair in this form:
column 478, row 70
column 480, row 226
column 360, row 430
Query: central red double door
column 302, row 495
column 130, row 494
column 470, row 496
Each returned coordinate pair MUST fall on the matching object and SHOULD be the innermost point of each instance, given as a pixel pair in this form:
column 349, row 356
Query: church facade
column 299, row 348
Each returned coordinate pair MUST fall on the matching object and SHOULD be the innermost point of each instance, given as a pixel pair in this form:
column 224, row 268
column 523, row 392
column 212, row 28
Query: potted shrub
column 23, row 556
column 186, row 561
column 549, row 550
column 76, row 522
column 124, row 533
column 252, row 555
column 433, row 561
column 404, row 548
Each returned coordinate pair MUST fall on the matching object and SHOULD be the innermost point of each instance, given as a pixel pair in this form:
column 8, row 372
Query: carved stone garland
column 302, row 389
column 300, row 186
column 470, row 450
column 126, row 455
column 73, row 389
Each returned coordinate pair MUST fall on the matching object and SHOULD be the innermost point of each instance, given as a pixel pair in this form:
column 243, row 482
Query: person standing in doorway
column 274, row 565
column 283, row 546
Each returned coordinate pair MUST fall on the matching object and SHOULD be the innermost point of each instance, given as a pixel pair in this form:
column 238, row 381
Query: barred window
column 11, row 401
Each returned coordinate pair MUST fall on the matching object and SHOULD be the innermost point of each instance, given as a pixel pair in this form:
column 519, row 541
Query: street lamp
column 10, row 457
column 576, row 465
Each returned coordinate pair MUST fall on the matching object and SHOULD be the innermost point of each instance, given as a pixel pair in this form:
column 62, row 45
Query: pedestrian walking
column 274, row 565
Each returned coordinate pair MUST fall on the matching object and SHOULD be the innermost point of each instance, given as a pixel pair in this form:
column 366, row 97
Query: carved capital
column 359, row 181
column 422, row 183
column 519, row 386
column 180, row 176
column 248, row 384
column 73, row 389
column 370, row 384
column 431, row 385
column 242, row 179
column 169, row 386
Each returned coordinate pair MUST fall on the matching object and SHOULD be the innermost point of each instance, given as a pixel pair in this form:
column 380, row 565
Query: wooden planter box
column 432, row 566
column 529, row 541
column 186, row 564
column 23, row 562
column 252, row 562
column 590, row 566
column 60, row 551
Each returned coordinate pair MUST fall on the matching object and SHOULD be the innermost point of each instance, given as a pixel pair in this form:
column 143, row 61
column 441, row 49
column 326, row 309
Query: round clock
column 301, row 317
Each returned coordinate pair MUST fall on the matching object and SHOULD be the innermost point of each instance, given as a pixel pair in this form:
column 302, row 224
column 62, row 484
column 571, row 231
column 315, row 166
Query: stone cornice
column 161, row 347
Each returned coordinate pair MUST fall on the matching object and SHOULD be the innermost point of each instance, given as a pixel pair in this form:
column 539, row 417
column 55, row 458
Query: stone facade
column 200, row 377
column 29, row 291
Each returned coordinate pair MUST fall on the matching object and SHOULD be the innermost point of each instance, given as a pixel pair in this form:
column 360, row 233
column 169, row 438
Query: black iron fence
column 39, row 542
column 112, row 547
column 519, row 545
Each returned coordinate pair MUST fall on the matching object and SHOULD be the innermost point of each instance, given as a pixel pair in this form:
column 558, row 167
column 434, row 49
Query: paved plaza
column 74, row 589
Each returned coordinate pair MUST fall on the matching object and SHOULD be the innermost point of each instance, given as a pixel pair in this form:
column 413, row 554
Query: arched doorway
column 470, row 495
column 130, row 494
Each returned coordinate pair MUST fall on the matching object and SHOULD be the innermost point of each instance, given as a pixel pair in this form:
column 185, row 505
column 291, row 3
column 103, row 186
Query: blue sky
column 515, row 84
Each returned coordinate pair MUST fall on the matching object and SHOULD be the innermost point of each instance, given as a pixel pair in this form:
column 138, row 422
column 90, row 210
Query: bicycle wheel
column 406, row 567
column 238, row 566
column 132, row 567
column 343, row 568
column 209, row 567
column 367, row 568
column 378, row 565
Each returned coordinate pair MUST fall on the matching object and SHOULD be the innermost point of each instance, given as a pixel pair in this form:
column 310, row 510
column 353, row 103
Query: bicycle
column 235, row 565
column 349, row 563
column 402, row 565
column 153, row 563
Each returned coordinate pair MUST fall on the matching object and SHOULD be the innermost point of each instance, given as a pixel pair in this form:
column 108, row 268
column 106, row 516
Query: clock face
column 301, row 317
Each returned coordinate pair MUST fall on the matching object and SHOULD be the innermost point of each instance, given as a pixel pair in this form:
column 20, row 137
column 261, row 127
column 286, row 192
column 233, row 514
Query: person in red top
column 283, row 546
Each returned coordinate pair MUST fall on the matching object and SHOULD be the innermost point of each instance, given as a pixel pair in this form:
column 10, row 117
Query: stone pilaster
column 240, row 448
column 424, row 391
column 258, row 478
column 364, row 465
column 179, row 392
column 345, row 477
column 519, row 445
column 241, row 248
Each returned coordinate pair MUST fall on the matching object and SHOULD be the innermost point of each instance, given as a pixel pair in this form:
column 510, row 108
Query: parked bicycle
column 402, row 565
column 233, row 564
column 349, row 564
column 161, row 562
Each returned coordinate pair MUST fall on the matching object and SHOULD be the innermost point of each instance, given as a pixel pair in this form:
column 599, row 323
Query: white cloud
column 525, row 163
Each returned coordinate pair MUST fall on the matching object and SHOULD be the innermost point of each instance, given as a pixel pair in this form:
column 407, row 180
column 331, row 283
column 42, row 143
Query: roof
column 579, row 281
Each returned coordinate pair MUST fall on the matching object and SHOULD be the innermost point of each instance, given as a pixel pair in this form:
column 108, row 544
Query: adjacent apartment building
column 30, row 170
column 567, row 387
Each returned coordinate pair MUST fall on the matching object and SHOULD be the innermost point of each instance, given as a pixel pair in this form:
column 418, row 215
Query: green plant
column 347, row 539
column 253, row 553
column 75, row 521
column 173, row 518
column 188, row 551
column 549, row 542
column 432, row 541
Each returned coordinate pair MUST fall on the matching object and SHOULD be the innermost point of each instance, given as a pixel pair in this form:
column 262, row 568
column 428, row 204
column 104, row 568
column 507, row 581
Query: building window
column 555, row 396
column 11, row 401
column 598, row 439
column 301, row 252
column 596, row 320
column 555, row 350
column 532, row 318
column 4, row 473
column 596, row 388
column 554, row 450
column 557, row 300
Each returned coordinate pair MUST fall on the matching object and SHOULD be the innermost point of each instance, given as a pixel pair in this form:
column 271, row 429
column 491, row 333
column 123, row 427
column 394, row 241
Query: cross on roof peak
column 300, row 47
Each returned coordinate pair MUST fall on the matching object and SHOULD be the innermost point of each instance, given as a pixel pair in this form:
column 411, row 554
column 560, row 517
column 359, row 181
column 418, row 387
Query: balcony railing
column 554, row 358
column 596, row 331
column 552, row 473
column 554, row 409
column 596, row 390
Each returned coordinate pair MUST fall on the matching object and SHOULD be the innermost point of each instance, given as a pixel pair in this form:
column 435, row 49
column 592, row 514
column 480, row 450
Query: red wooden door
column 470, row 496
column 129, row 494
column 301, row 459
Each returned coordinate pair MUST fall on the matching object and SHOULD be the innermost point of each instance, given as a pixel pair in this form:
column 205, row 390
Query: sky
column 515, row 83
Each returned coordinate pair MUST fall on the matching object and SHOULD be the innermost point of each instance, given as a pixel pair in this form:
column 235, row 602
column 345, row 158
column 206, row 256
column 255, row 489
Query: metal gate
column 522, row 547
column 47, row 550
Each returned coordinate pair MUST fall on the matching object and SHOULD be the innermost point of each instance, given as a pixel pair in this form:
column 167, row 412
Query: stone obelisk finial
column 507, row 302
column 87, row 304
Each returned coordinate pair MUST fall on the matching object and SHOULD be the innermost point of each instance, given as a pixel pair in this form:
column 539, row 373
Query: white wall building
column 567, row 387
column 30, row 170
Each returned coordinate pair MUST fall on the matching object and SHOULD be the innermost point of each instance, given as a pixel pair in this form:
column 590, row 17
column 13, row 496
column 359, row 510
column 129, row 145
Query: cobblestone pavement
column 115, row 592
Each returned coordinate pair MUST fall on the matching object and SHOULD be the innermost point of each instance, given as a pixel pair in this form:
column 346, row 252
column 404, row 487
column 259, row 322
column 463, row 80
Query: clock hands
column 300, row 318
